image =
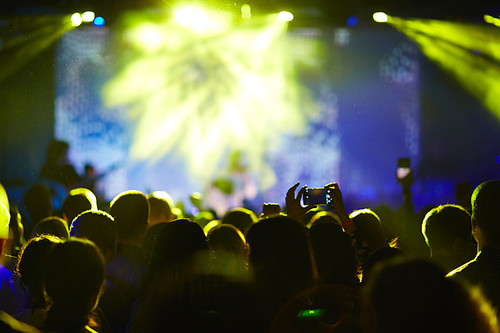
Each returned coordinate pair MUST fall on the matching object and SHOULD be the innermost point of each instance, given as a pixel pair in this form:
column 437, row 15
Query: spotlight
column 285, row 16
column 88, row 16
column 99, row 21
column 190, row 16
column 380, row 17
column 76, row 19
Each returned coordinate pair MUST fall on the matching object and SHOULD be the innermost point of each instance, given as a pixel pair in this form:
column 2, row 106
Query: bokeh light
column 380, row 17
column 285, row 16
column 88, row 16
column 76, row 19
column 99, row 21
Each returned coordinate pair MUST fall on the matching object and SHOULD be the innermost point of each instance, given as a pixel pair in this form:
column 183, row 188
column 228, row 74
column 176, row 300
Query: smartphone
column 317, row 196
column 403, row 168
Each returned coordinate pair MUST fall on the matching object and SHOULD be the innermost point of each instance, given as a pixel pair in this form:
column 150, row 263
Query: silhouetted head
column 280, row 256
column 380, row 256
column 78, row 201
column 334, row 253
column 241, row 218
column 447, row 228
column 130, row 210
column 228, row 238
column 100, row 228
column 51, row 225
column 30, row 267
column 74, row 277
column 161, row 205
column 178, row 241
column 325, row 217
column 486, row 210
column 415, row 296
column 368, row 224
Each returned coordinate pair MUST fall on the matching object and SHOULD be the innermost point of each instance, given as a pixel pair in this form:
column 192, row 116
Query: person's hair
column 29, row 267
column 227, row 237
column 280, row 256
column 368, row 224
column 130, row 210
column 74, row 276
column 486, row 210
column 241, row 218
column 415, row 296
column 97, row 226
column 324, row 217
column 160, row 206
column 443, row 225
column 78, row 201
column 178, row 254
column 52, row 225
column 334, row 253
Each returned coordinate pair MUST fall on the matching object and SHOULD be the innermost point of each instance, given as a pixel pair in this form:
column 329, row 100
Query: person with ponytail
column 74, row 277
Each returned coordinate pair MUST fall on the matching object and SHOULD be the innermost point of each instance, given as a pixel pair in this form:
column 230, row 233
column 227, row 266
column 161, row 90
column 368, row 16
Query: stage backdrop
column 364, row 86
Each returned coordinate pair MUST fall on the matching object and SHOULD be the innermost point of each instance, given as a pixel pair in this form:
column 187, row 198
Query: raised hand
column 293, row 206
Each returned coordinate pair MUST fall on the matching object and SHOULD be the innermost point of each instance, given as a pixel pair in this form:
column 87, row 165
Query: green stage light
column 454, row 47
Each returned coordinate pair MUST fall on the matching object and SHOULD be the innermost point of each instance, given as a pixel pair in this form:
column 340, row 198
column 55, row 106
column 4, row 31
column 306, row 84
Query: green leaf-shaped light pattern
column 209, row 87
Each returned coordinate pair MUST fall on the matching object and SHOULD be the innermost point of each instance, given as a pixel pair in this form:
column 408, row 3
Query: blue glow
column 498, row 159
column 98, row 21
column 352, row 21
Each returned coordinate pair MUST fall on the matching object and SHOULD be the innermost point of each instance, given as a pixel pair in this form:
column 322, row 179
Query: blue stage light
column 99, row 21
column 352, row 21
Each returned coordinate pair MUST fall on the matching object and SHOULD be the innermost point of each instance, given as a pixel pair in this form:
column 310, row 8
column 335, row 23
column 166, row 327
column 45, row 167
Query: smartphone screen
column 317, row 196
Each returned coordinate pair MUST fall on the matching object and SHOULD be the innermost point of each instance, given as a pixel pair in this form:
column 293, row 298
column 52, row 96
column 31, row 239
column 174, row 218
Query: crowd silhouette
column 141, row 264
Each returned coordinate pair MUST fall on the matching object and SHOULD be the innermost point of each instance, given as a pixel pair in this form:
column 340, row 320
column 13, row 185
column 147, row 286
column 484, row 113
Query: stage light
column 454, row 46
column 246, row 12
column 285, row 16
column 99, row 21
column 380, row 17
column 352, row 21
column 76, row 19
column 88, row 16
column 492, row 20
column 193, row 17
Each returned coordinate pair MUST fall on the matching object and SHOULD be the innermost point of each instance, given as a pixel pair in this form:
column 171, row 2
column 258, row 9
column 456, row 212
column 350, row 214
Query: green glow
column 311, row 313
column 39, row 32
column 380, row 17
column 207, row 95
column 76, row 19
column 450, row 45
